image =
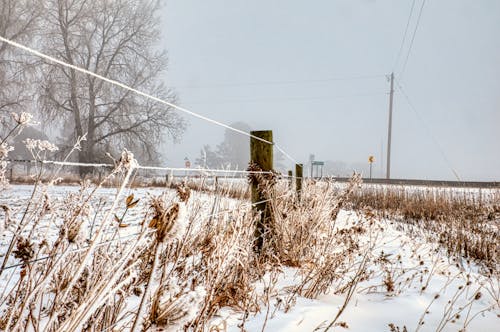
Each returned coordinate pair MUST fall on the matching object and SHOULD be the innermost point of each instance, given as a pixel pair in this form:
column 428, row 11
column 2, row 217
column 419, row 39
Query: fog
column 315, row 74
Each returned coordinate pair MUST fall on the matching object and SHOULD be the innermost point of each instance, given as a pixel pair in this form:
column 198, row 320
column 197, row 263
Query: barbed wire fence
column 172, row 171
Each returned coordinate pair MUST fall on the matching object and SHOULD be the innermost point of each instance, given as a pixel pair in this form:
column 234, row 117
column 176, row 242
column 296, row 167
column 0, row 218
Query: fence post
column 290, row 179
column 261, row 153
column 298, row 179
column 169, row 179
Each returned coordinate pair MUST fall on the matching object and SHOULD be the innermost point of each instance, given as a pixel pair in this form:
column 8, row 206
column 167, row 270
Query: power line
column 427, row 128
column 283, row 99
column 404, row 36
column 413, row 38
column 240, row 84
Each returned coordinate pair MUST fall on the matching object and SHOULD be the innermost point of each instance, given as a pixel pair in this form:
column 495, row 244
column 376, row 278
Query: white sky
column 272, row 64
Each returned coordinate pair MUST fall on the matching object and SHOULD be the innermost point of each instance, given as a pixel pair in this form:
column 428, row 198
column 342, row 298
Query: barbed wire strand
column 80, row 249
column 126, row 87
column 207, row 170
column 71, row 163
column 129, row 237
column 158, row 168
column 285, row 153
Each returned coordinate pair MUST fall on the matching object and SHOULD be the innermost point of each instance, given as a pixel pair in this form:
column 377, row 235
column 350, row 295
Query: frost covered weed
column 176, row 271
column 466, row 223
column 20, row 121
column 171, row 261
column 304, row 234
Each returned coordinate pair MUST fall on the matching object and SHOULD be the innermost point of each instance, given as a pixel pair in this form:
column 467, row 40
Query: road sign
column 371, row 159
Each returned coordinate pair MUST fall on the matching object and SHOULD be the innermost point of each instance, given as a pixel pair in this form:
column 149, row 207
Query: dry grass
column 466, row 223
column 185, row 260
column 177, row 271
column 181, row 267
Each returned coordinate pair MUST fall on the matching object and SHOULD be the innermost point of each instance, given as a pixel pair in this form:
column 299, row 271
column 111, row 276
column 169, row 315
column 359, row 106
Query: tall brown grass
column 466, row 223
column 179, row 268
column 70, row 265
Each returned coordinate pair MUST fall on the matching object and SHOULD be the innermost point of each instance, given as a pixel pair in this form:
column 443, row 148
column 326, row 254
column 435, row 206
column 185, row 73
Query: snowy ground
column 431, row 292
column 411, row 283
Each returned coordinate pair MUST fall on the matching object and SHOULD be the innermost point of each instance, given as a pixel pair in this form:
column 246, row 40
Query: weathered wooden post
column 261, row 153
column 216, row 183
column 298, row 179
column 290, row 179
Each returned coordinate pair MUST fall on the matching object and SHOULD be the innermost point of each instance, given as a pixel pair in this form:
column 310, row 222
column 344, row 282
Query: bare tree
column 116, row 39
column 18, row 22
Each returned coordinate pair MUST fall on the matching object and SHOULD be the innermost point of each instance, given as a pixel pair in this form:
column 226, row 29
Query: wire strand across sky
column 412, row 39
column 144, row 94
column 124, row 86
column 404, row 36
column 429, row 132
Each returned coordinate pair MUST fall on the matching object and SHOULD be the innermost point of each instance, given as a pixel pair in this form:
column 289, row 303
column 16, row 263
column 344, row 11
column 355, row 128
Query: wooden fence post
column 298, row 179
column 261, row 153
column 290, row 179
column 216, row 183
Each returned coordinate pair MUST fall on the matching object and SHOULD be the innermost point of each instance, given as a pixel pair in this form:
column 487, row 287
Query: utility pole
column 391, row 95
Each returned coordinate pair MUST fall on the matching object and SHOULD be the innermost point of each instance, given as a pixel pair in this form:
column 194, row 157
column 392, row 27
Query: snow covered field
column 364, row 273
column 429, row 292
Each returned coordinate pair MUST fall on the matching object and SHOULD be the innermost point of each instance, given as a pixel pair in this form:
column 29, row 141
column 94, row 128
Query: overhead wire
column 284, row 99
column 427, row 128
column 404, row 35
column 413, row 38
column 405, row 95
column 241, row 84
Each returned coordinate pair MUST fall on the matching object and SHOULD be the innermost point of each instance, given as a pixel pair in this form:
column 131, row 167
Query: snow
column 372, row 308
column 429, row 285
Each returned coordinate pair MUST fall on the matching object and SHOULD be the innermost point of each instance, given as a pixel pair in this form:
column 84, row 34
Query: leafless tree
column 116, row 39
column 18, row 22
